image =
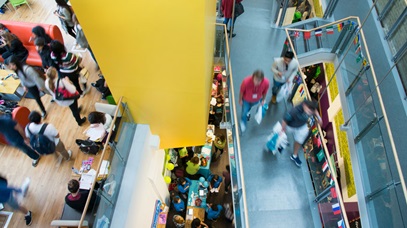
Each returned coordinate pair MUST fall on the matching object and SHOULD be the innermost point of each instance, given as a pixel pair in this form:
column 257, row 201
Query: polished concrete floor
column 278, row 193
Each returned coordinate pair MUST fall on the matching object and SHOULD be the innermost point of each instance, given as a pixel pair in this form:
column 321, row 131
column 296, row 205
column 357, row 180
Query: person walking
column 295, row 121
column 51, row 85
column 64, row 13
column 35, row 126
column 227, row 10
column 10, row 195
column 284, row 69
column 253, row 90
column 14, row 135
column 66, row 63
column 30, row 79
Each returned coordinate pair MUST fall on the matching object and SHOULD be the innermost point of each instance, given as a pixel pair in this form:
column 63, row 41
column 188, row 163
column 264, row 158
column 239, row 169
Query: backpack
column 41, row 143
column 89, row 146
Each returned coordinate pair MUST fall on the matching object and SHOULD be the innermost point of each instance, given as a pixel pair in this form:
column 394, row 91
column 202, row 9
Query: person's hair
column 176, row 199
column 2, row 27
column 34, row 117
column 58, row 49
column 39, row 41
column 195, row 160
column 8, row 37
column 39, row 31
column 214, row 207
column 97, row 117
column 16, row 61
column 228, row 168
column 195, row 223
column 221, row 137
column 179, row 219
column 258, row 74
column 214, row 179
column 73, row 186
column 52, row 75
column 64, row 4
column 181, row 180
column 313, row 105
column 289, row 54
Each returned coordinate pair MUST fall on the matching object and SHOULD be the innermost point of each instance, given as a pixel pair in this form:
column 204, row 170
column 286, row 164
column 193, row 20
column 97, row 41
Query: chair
column 16, row 3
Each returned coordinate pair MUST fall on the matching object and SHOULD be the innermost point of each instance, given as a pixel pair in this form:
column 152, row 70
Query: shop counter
column 194, row 211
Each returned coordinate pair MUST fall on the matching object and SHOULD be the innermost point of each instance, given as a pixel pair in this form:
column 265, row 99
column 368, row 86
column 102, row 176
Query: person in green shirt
column 193, row 166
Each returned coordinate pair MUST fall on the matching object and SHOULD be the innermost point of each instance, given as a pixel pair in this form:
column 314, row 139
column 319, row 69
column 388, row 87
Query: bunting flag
column 340, row 26
column 286, row 43
column 357, row 49
column 314, row 130
column 336, row 209
column 325, row 166
column 318, row 32
column 333, row 193
column 341, row 224
column 332, row 182
column 296, row 34
column 356, row 40
column 364, row 62
column 307, row 35
column 360, row 57
column 329, row 30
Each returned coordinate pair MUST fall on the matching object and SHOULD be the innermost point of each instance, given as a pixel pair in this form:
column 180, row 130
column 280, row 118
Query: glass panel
column 330, row 210
column 380, row 4
column 393, row 14
column 402, row 68
column 384, row 209
column 373, row 160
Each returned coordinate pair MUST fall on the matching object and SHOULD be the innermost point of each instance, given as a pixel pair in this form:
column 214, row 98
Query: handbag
column 239, row 9
column 62, row 94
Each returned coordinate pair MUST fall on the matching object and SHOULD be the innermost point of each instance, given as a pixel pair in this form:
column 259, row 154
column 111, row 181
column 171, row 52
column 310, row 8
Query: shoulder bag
column 62, row 94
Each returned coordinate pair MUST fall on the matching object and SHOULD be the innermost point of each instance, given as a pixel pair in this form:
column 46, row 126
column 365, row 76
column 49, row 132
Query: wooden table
column 198, row 213
column 10, row 85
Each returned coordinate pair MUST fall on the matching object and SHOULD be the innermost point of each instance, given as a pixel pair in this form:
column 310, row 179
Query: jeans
column 276, row 86
column 20, row 144
column 232, row 23
column 246, row 107
column 36, row 94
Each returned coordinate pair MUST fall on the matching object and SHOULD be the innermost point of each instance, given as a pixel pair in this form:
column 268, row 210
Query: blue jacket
column 179, row 206
column 182, row 188
column 217, row 183
column 211, row 214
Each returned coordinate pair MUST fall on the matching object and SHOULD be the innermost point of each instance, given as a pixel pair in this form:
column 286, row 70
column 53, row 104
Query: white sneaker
column 24, row 186
column 70, row 155
column 242, row 126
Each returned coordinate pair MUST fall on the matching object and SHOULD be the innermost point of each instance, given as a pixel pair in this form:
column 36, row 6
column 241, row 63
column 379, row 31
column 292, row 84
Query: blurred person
column 12, row 46
column 64, row 13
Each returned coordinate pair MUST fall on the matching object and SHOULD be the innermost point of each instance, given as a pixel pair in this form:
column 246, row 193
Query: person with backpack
column 9, row 195
column 45, row 137
column 14, row 135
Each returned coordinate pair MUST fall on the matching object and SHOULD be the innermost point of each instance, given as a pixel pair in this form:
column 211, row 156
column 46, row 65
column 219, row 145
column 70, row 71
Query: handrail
column 323, row 26
column 232, row 101
column 339, row 196
column 308, row 21
column 100, row 162
column 388, row 128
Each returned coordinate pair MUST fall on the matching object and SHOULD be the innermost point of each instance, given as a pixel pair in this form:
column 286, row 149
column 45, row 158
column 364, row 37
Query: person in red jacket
column 227, row 10
column 253, row 90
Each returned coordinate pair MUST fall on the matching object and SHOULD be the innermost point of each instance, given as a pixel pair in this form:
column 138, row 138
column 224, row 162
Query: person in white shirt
column 284, row 69
column 50, row 132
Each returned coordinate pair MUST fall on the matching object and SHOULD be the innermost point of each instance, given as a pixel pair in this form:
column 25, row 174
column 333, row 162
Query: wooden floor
column 48, row 182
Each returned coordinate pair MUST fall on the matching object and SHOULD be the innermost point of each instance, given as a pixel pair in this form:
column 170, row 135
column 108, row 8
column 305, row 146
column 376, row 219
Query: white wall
column 141, row 186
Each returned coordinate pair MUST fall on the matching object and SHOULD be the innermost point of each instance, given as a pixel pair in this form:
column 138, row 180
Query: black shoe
column 93, row 84
column 233, row 35
column 52, row 101
column 83, row 120
column 28, row 219
column 80, row 109
column 248, row 116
